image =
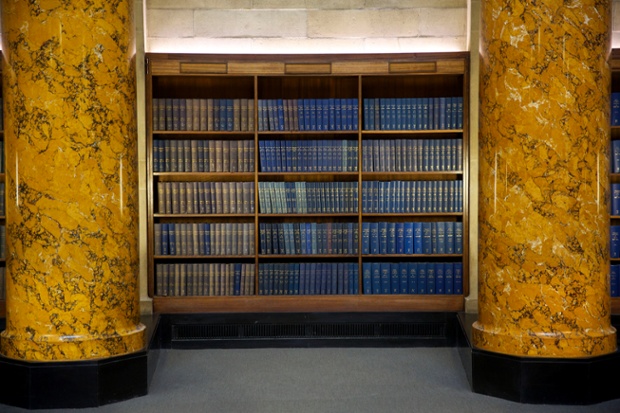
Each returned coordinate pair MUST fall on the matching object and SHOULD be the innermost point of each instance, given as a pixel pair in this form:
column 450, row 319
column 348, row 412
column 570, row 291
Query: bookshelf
column 293, row 183
column 2, row 212
column 614, row 165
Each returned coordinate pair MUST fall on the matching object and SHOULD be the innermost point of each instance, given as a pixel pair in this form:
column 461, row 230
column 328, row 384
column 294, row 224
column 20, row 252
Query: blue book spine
column 394, row 278
column 441, row 237
column 374, row 237
column 365, row 238
column 615, row 159
column 422, row 281
column 417, row 238
column 614, row 235
column 615, row 199
column 458, row 278
column 449, row 277
column 354, row 114
column 400, row 238
column 427, row 238
column 391, row 238
column 613, row 280
column 458, row 237
column 403, row 271
column 367, row 278
column 408, row 238
column 412, row 270
column 376, row 277
column 383, row 237
column 385, row 277
column 431, row 272
column 440, row 278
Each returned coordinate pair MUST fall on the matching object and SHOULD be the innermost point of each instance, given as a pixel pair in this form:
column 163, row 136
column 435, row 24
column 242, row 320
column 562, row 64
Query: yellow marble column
column 544, row 220
column 72, row 195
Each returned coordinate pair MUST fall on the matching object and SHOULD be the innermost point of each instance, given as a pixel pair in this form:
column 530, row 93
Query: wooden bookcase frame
column 307, row 76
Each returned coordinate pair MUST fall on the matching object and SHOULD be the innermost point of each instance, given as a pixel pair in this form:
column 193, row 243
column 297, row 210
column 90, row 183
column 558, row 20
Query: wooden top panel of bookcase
column 375, row 64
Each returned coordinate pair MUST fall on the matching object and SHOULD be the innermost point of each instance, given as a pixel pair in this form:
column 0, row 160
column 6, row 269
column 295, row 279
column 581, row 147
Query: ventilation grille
column 198, row 332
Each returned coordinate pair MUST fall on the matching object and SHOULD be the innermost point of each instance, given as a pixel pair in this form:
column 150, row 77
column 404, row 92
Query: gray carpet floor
column 326, row 380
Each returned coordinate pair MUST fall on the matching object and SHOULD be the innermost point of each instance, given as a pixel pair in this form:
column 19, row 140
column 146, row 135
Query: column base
column 75, row 384
column 537, row 380
column 79, row 384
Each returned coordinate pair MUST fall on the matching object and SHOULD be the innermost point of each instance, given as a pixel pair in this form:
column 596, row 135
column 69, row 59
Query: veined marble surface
column 72, row 184
column 544, row 179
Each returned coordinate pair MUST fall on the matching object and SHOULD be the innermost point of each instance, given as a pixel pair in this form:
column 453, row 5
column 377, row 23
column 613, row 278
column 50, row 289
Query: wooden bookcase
column 3, row 209
column 614, row 177
column 293, row 78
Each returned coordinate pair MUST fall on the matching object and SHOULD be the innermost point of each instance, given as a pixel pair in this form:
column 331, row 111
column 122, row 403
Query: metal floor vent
column 249, row 331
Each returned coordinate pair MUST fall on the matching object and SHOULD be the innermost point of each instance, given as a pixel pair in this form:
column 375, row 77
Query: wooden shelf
column 308, row 303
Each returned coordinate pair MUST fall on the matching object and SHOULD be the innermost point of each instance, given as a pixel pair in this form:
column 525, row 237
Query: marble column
column 544, row 179
column 71, row 178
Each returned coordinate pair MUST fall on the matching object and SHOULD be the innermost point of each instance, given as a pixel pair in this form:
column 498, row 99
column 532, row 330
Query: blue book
column 354, row 114
column 365, row 238
column 614, row 245
column 327, row 106
column 366, row 114
column 338, row 114
column 440, row 278
column 615, row 156
column 385, row 277
column 441, row 237
column 394, row 278
column 383, row 237
column 449, row 237
column 422, row 279
column 400, row 237
column 391, row 237
column 431, row 271
column 615, row 199
column 374, row 237
column 367, row 278
column 417, row 238
column 427, row 238
column 614, row 274
column 403, row 271
column 408, row 238
column 376, row 277
column 458, row 278
column 458, row 237
column 412, row 270
column 449, row 277
column 311, row 277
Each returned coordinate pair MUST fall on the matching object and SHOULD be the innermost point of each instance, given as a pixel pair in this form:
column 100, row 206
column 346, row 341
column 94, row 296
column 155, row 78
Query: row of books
column 308, row 155
column 412, row 277
column 412, row 238
column 332, row 114
column 179, row 114
column 412, row 196
column 204, row 279
column 205, row 197
column 615, row 199
column 202, row 239
column 171, row 155
column 432, row 113
column 412, row 155
column 307, row 197
column 308, row 238
column 308, row 278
